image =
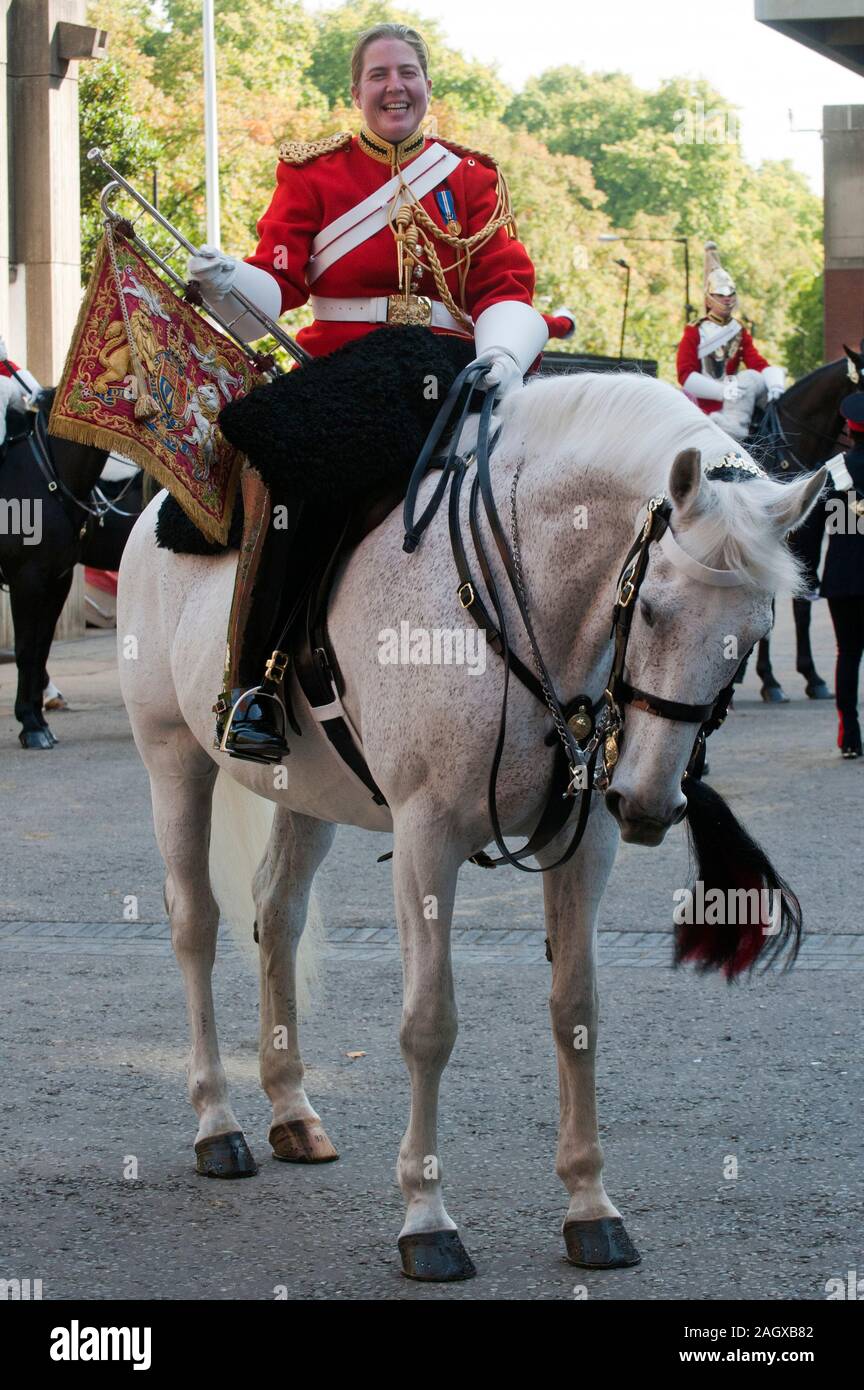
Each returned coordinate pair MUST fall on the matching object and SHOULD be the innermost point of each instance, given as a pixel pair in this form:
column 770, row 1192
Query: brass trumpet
column 188, row 289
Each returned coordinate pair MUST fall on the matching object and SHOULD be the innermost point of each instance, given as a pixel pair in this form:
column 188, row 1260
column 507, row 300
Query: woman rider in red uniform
column 385, row 227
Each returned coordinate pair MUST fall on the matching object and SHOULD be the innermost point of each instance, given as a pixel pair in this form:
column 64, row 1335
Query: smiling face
column 393, row 93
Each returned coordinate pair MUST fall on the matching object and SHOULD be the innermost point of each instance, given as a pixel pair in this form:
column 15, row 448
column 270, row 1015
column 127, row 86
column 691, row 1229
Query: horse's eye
column 647, row 612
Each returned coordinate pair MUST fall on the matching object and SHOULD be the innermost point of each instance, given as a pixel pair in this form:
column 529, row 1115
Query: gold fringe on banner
column 139, row 443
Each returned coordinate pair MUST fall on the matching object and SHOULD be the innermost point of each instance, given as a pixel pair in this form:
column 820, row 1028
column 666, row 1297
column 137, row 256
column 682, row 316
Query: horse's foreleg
column 36, row 604
column 425, row 868
column 594, row 1233
column 181, row 781
column 281, row 888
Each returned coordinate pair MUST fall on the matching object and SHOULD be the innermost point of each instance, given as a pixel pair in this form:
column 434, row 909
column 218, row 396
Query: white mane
column 632, row 427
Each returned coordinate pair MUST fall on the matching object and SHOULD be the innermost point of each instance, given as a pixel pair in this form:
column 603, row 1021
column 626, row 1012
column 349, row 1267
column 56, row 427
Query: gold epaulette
column 299, row 152
column 486, row 159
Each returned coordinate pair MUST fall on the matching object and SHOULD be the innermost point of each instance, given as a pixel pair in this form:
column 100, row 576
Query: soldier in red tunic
column 385, row 227
column 713, row 351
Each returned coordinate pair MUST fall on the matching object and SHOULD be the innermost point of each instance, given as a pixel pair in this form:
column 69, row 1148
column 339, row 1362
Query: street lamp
column 624, row 266
column 682, row 241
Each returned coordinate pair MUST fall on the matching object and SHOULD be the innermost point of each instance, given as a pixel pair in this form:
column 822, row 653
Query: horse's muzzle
column 636, row 825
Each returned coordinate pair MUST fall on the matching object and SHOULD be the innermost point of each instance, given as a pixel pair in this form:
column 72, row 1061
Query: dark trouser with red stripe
column 847, row 615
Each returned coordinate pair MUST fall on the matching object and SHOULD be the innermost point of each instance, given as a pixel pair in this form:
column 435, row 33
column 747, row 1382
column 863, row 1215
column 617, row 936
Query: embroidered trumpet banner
column 147, row 376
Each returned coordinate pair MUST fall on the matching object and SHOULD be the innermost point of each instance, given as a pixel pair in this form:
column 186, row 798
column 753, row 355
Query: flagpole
column 211, row 132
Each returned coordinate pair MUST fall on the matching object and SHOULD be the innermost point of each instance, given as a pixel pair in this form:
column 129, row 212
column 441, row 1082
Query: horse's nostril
column 613, row 804
column 680, row 813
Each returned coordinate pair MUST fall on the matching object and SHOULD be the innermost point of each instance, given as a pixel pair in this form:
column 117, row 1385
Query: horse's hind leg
column 772, row 691
column 281, row 888
column 594, row 1233
column 181, row 783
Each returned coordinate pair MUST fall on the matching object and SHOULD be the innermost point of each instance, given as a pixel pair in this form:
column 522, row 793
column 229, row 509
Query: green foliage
column 804, row 348
column 584, row 154
column 108, row 122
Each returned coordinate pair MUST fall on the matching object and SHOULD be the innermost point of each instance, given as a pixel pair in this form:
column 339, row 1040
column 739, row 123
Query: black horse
column 49, row 522
column 800, row 433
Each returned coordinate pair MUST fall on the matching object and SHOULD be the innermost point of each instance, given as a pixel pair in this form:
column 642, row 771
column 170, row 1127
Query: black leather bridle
column 619, row 692
column 589, row 733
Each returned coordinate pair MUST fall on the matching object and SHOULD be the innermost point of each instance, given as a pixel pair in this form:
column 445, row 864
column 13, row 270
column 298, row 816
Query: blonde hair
column 388, row 31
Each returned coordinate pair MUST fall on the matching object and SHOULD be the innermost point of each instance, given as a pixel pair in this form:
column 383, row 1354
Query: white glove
column 775, row 382
column 731, row 389
column 707, row 388
column 504, row 371
column 509, row 335
column 214, row 271
column 31, row 383
column 218, row 275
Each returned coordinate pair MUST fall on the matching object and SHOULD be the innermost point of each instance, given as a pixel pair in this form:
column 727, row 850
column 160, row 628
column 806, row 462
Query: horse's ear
column 797, row 500
column 686, row 481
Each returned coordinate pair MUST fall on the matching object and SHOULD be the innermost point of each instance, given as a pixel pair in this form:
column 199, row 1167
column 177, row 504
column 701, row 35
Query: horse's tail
column 240, row 828
column 728, row 859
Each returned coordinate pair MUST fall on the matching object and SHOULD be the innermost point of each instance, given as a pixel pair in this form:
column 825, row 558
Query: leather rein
column 39, row 443
column 588, row 733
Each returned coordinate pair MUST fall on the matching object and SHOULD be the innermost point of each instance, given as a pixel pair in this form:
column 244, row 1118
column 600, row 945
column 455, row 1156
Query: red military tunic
column 309, row 196
column 745, row 354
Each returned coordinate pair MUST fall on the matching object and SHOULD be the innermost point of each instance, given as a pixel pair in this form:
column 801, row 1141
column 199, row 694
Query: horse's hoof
column 818, row 690
column 602, row 1244
column 435, row 1256
column 225, row 1156
column 301, row 1141
column 56, row 702
column 36, row 738
column 774, row 695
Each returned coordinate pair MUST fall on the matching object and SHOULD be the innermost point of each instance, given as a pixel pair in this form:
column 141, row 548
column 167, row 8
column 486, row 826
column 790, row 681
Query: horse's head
column 854, row 364
column 704, row 600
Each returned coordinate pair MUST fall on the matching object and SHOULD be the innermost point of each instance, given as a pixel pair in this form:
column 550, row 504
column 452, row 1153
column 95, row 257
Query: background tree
column 584, row 153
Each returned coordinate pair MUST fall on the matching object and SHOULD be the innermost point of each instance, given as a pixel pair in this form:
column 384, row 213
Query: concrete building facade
column 835, row 28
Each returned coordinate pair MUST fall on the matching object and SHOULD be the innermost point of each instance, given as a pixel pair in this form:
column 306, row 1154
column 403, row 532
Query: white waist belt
column 374, row 310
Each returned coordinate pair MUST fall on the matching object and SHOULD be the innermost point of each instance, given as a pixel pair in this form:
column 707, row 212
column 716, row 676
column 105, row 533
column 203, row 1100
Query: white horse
column 593, row 450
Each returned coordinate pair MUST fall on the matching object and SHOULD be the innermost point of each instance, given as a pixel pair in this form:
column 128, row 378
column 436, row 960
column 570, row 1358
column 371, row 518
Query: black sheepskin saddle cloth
column 339, row 431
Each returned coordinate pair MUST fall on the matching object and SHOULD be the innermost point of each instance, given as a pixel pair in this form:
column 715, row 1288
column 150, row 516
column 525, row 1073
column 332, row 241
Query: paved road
column 691, row 1072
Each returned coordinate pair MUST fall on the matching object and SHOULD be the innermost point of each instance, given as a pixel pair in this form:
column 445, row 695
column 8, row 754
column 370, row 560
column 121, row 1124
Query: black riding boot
column 251, row 721
column 816, row 687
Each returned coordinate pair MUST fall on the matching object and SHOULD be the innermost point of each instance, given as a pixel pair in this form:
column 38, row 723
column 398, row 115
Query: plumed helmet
column 717, row 280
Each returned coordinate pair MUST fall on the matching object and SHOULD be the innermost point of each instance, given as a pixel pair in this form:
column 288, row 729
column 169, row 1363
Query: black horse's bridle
column 619, row 692
column 39, row 443
column 590, row 732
